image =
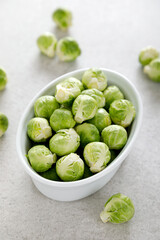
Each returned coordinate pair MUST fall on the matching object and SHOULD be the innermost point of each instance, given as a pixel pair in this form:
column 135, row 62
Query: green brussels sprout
column 3, row 79
column 88, row 133
column 62, row 119
column 70, row 167
column 113, row 155
column 68, row 90
column 114, row 136
column 111, row 94
column 153, row 70
column 3, row 124
column 84, row 108
column 45, row 106
column 47, row 44
column 68, row 49
column 38, row 129
column 101, row 119
column 147, row 55
column 62, row 18
column 96, row 156
column 65, row 141
column 87, row 172
column 122, row 112
column 118, row 209
column 97, row 95
column 50, row 174
column 41, row 158
column 94, row 78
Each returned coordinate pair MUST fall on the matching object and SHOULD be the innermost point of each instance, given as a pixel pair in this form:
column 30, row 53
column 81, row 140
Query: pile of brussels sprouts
column 80, row 130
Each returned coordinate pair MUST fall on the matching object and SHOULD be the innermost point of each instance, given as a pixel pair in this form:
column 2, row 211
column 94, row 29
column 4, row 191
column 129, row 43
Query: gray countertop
column 111, row 34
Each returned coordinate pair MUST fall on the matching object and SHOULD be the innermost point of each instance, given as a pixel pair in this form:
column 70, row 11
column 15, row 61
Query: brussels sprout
column 47, row 44
column 88, row 133
column 87, row 172
column 101, row 119
column 41, row 158
column 113, row 155
column 70, row 167
column 97, row 95
column 38, row 129
column 3, row 79
column 62, row 119
column 45, row 106
column 118, row 209
column 63, row 18
column 122, row 112
column 94, row 78
column 65, row 141
column 51, row 174
column 3, row 123
column 84, row 108
column 153, row 70
column 147, row 55
column 68, row 90
column 111, row 94
column 96, row 156
column 114, row 136
column 68, row 49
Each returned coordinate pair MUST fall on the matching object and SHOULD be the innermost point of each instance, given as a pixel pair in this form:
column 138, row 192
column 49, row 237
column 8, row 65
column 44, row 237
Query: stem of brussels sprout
column 105, row 217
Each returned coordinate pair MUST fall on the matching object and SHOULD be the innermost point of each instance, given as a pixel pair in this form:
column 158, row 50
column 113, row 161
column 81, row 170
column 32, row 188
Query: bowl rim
column 118, row 160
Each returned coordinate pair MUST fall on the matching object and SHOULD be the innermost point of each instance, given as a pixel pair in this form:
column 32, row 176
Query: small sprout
column 97, row 95
column 3, row 124
column 84, row 108
column 68, row 49
column 96, row 155
column 88, row 133
column 101, row 119
column 153, row 70
column 118, row 209
column 65, row 141
column 63, row 18
column 62, row 119
column 114, row 136
column 147, row 55
column 47, row 44
column 41, row 158
column 3, row 79
column 122, row 112
column 51, row 174
column 45, row 106
column 70, row 167
column 111, row 94
column 38, row 129
column 94, row 78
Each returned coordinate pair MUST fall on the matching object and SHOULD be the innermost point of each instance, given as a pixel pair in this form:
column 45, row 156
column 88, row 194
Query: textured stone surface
column 111, row 34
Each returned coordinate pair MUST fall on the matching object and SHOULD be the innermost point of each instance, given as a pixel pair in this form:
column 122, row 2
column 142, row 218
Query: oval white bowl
column 70, row 191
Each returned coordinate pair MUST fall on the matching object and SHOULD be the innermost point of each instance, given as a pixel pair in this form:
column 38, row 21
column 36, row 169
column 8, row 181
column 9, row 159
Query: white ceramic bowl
column 69, row 191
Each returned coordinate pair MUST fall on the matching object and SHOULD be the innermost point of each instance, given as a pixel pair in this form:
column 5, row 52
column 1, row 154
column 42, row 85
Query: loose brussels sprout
column 41, row 158
column 3, row 79
column 47, row 44
column 63, row 18
column 3, row 123
column 147, row 55
column 65, row 141
column 38, row 129
column 153, row 70
column 70, row 167
column 94, row 78
column 114, row 136
column 45, row 106
column 111, row 94
column 68, row 49
column 88, row 133
column 84, row 108
column 101, row 119
column 50, row 174
column 122, row 112
column 62, row 119
column 118, row 209
column 97, row 95
column 68, row 90
column 96, row 156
